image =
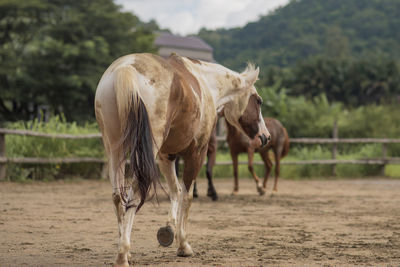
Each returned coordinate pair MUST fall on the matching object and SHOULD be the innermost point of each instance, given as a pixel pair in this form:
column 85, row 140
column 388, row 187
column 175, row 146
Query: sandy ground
column 308, row 223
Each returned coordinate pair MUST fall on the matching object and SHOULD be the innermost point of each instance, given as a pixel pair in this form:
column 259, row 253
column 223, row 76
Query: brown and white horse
column 148, row 107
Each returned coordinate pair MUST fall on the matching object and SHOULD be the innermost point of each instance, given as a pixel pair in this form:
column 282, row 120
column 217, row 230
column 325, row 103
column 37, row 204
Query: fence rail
column 37, row 134
column 344, row 140
column 334, row 140
column 383, row 161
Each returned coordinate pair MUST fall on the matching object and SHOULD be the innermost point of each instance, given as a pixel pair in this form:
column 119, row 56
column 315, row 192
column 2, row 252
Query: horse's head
column 244, row 110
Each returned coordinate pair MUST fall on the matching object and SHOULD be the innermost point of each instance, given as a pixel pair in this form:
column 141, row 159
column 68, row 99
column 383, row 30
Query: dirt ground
column 308, row 223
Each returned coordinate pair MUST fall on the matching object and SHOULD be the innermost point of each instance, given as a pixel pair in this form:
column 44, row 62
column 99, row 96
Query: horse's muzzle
column 264, row 140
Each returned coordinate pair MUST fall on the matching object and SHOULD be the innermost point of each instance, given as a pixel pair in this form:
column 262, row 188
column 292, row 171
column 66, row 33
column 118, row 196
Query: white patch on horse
column 183, row 211
column 262, row 126
column 147, row 93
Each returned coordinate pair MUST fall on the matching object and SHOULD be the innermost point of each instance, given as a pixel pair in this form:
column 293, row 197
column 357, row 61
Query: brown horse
column 239, row 143
column 279, row 142
column 148, row 107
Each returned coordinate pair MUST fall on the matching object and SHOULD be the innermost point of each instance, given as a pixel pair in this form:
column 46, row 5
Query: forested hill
column 304, row 28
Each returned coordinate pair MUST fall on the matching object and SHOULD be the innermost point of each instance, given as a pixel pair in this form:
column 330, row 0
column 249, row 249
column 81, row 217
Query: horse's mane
column 250, row 68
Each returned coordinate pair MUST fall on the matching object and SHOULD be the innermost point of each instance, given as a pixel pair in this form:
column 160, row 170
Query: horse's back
column 279, row 136
column 179, row 108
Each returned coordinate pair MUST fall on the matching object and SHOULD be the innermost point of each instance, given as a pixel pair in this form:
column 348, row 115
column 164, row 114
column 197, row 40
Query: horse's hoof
column 195, row 195
column 165, row 236
column 121, row 261
column 211, row 192
column 186, row 251
column 261, row 191
column 213, row 196
column 235, row 192
column 274, row 193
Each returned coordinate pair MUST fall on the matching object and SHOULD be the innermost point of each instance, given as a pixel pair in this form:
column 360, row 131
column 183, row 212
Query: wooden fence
column 383, row 160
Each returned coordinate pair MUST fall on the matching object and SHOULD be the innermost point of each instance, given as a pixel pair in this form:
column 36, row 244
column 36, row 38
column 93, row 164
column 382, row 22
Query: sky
column 185, row 17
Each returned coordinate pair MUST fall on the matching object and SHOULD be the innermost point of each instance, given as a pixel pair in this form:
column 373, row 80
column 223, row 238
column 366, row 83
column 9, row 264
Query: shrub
column 41, row 147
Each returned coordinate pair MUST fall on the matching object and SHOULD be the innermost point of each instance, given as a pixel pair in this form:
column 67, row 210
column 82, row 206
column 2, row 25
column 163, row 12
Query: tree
column 336, row 44
column 353, row 82
column 19, row 21
column 309, row 28
column 54, row 53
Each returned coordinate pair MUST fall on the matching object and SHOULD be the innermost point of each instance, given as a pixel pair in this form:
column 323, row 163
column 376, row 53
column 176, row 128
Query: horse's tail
column 137, row 137
column 286, row 145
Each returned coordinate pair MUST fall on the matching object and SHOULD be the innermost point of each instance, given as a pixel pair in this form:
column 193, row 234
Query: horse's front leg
column 211, row 157
column 193, row 162
column 267, row 165
column 195, row 194
column 250, row 154
column 211, row 192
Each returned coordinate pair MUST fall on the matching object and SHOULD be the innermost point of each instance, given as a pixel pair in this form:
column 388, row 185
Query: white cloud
column 180, row 22
column 185, row 17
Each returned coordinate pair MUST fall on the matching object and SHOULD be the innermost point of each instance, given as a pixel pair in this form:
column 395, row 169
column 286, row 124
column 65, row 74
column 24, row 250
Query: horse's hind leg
column 277, row 170
column 250, row 154
column 124, row 204
column 116, row 169
column 125, row 223
column 167, row 168
column 124, row 207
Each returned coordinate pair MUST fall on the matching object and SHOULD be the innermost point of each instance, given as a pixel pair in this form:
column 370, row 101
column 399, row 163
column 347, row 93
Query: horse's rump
column 286, row 145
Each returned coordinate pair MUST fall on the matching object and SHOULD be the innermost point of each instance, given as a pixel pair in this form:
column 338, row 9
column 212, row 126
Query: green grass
column 392, row 171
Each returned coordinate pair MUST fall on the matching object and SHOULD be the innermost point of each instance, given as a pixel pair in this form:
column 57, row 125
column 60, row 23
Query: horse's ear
column 251, row 75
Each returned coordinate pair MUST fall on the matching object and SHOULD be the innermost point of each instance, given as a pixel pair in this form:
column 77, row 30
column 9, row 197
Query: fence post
column 334, row 147
column 384, row 153
column 2, row 155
